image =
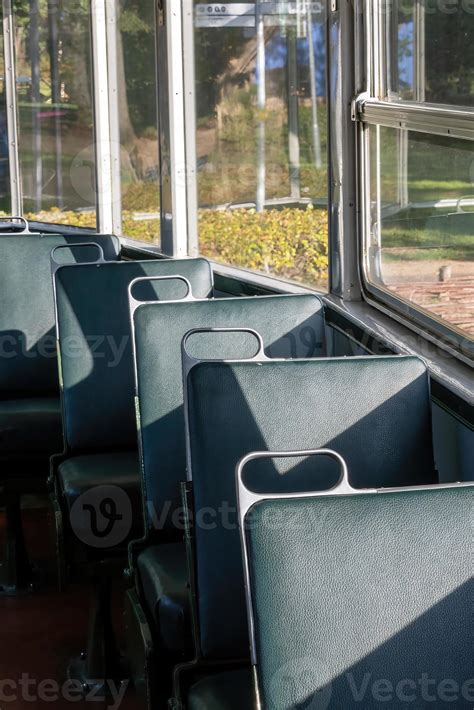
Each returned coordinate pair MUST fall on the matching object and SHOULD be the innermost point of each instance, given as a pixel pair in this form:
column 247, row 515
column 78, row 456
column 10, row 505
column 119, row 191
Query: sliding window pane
column 138, row 122
column 54, row 88
column 5, row 196
column 430, row 50
column 261, row 136
column 422, row 237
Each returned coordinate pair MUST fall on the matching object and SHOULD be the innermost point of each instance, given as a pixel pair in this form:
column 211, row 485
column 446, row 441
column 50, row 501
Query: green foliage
column 290, row 243
column 449, row 54
column 133, row 24
column 141, row 197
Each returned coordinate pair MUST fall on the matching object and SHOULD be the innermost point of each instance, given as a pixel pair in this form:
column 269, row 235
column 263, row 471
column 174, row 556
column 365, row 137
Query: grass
column 413, row 237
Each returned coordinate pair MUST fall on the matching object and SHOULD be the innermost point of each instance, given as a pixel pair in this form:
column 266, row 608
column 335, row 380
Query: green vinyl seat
column 374, row 411
column 229, row 690
column 30, row 421
column 290, row 326
column 96, row 483
column 368, row 596
column 81, row 473
column 97, row 375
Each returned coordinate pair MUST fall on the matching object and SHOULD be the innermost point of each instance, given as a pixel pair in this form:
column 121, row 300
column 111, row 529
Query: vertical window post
column 112, row 18
column 175, row 241
column 190, row 113
column 343, row 252
column 11, row 106
column 104, row 188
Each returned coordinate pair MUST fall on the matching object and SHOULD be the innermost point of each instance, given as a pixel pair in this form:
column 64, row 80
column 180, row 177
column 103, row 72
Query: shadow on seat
column 373, row 411
column 30, row 418
column 96, row 482
column 291, row 326
column 367, row 602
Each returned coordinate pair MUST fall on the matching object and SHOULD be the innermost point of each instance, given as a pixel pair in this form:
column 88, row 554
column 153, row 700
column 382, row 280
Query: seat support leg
column 15, row 570
column 101, row 663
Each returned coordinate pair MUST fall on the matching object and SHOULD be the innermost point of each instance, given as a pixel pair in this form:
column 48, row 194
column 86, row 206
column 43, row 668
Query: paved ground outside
column 451, row 299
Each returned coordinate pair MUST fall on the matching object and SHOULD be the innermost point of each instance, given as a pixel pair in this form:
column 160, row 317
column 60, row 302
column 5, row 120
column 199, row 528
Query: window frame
column 372, row 109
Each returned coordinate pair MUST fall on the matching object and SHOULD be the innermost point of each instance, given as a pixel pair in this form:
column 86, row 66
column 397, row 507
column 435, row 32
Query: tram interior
column 236, row 354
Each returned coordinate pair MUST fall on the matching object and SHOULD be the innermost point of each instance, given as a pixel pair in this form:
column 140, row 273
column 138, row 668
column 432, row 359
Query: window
column 418, row 151
column 261, row 137
column 5, row 197
column 138, row 123
column 54, row 93
column 430, row 52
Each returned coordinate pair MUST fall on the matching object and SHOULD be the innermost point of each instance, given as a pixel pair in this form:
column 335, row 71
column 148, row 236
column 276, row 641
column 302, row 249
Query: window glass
column 5, row 198
column 54, row 88
column 430, row 50
column 262, row 137
column 422, row 236
column 138, row 123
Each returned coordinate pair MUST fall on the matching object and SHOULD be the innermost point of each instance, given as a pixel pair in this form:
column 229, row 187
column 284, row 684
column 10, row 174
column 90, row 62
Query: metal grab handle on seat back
column 135, row 303
column 247, row 498
column 55, row 265
column 188, row 362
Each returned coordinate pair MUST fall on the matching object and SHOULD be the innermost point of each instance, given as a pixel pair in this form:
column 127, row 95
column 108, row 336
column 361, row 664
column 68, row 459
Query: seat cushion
column 108, row 487
column 163, row 575
column 232, row 690
column 79, row 474
column 30, row 426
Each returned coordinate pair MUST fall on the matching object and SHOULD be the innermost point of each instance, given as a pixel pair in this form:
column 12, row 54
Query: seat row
column 165, row 391
column 289, row 396
column 30, row 411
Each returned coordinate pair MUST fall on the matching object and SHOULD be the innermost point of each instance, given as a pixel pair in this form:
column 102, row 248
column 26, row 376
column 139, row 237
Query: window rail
column 426, row 118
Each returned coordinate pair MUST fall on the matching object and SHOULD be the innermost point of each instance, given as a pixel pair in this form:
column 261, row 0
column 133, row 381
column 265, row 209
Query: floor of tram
column 41, row 631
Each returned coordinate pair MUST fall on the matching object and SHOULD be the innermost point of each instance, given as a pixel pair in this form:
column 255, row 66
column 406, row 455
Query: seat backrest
column 373, row 411
column 28, row 366
column 95, row 344
column 291, row 326
column 367, row 596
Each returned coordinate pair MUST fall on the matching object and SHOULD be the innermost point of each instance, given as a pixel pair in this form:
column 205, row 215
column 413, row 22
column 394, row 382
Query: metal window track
column 425, row 118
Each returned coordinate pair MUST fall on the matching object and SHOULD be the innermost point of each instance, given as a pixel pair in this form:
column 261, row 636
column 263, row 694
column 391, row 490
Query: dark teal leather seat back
column 28, row 366
column 374, row 411
column 95, row 344
column 368, row 596
column 291, row 326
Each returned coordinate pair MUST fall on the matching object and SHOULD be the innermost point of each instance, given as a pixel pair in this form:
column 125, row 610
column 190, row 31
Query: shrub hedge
column 290, row 243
